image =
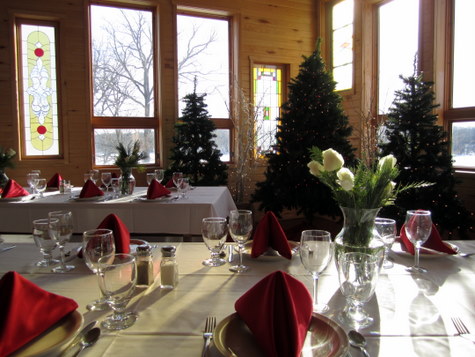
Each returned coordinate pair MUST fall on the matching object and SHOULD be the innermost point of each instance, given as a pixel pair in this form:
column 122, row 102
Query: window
column 122, row 63
column 38, row 89
column 268, row 96
column 398, row 30
column 203, row 44
column 462, row 111
column 342, row 43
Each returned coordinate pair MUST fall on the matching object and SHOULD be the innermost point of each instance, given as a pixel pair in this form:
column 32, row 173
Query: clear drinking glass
column 45, row 232
column 358, row 274
column 240, row 228
column 184, row 187
column 117, row 280
column 40, row 185
column 214, row 231
column 106, row 178
column 97, row 243
column 177, row 178
column 87, row 176
column 115, row 183
column 159, row 175
column 150, row 176
column 65, row 225
column 386, row 228
column 30, row 179
column 418, row 226
column 315, row 254
column 95, row 175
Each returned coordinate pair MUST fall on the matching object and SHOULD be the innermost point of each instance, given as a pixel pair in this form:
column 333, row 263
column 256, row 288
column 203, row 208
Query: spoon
column 357, row 340
column 89, row 339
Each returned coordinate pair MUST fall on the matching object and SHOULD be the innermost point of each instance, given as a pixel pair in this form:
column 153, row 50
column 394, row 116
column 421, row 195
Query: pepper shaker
column 168, row 268
column 144, row 265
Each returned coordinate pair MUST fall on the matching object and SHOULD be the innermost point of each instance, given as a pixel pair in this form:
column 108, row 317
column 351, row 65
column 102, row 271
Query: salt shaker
column 168, row 268
column 144, row 265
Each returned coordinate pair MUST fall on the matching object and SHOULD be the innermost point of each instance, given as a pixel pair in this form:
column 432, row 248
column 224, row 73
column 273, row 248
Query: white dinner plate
column 232, row 336
column 54, row 340
column 88, row 199
column 396, row 248
column 165, row 198
column 17, row 199
column 271, row 254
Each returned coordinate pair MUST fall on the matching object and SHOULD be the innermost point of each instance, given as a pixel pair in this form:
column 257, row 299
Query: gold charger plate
column 397, row 249
column 54, row 340
column 325, row 338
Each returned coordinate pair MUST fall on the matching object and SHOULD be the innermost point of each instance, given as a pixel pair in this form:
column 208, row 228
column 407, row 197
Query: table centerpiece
column 127, row 159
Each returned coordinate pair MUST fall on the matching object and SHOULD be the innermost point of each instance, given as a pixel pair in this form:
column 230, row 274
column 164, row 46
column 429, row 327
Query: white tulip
column 332, row 160
column 315, row 167
column 346, row 179
column 387, row 160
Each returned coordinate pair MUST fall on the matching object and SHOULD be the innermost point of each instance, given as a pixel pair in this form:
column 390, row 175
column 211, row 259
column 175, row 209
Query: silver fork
column 462, row 329
column 208, row 333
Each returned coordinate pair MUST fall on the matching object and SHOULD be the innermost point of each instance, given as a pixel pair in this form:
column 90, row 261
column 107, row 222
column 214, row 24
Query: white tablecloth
column 412, row 313
column 182, row 216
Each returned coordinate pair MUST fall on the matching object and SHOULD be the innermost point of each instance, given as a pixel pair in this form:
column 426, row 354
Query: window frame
column 152, row 122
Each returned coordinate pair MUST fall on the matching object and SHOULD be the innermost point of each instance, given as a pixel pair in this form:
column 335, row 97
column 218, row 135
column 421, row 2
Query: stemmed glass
column 117, row 280
column 240, row 227
column 94, row 175
column 177, row 178
column 40, row 185
column 418, row 226
column 214, row 231
column 150, row 176
column 87, row 176
column 106, row 178
column 30, row 179
column 65, row 225
column 315, row 254
column 45, row 232
column 159, row 175
column 358, row 274
column 115, row 184
column 386, row 228
column 184, row 187
column 97, row 243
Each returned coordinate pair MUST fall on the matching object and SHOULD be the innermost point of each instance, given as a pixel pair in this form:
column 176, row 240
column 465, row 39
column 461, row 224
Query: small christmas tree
column 422, row 150
column 312, row 116
column 195, row 153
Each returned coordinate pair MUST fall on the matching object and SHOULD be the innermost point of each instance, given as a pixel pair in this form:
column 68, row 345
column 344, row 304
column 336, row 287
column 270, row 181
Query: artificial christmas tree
column 312, row 116
column 195, row 153
column 422, row 151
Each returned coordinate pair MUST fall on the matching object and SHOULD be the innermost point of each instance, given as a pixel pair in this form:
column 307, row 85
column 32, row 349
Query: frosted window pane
column 463, row 144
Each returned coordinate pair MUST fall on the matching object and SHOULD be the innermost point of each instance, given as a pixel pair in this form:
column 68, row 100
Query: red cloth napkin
column 156, row 190
column 90, row 189
column 170, row 184
column 54, row 181
column 13, row 189
column 269, row 233
column 121, row 233
column 278, row 311
column 433, row 242
column 26, row 311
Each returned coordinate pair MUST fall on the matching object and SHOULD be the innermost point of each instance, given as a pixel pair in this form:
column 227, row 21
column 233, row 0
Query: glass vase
column 127, row 182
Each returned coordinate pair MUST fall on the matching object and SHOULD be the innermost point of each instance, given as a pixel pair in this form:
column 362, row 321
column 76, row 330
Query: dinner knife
column 79, row 336
column 7, row 248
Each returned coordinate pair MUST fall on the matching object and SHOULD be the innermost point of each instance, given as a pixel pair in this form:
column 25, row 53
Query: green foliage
column 129, row 156
column 6, row 158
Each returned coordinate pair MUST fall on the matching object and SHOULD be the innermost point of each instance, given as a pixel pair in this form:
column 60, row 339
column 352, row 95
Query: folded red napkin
column 54, row 181
column 90, row 189
column 269, row 233
column 121, row 233
column 433, row 242
column 156, row 190
column 278, row 311
column 170, row 184
column 26, row 311
column 13, row 189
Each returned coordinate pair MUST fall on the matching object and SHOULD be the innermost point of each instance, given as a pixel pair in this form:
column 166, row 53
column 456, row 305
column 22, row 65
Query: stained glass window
column 342, row 41
column 267, row 82
column 39, row 90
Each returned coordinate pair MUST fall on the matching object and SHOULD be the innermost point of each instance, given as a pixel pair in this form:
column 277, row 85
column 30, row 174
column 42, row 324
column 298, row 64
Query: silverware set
column 210, row 325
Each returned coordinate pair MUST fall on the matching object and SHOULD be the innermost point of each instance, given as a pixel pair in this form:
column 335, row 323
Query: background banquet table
column 182, row 216
column 412, row 313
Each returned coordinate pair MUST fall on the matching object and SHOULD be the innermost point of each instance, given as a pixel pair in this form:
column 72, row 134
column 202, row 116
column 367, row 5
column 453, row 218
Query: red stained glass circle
column 41, row 130
column 39, row 52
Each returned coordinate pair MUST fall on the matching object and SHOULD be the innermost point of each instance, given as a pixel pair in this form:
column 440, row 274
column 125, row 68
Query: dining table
column 412, row 312
column 170, row 214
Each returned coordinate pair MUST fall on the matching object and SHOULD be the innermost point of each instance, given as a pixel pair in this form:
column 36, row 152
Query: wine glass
column 418, row 226
column 386, row 228
column 65, row 225
column 87, row 176
column 177, row 178
column 97, row 243
column 40, row 186
column 117, row 280
column 30, row 179
column 159, row 175
column 214, row 231
column 150, row 176
column 106, row 178
column 240, row 227
column 185, row 186
column 45, row 234
column 115, row 184
column 358, row 274
column 94, row 175
column 315, row 254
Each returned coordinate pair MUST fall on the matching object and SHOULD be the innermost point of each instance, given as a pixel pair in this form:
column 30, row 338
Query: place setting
column 156, row 192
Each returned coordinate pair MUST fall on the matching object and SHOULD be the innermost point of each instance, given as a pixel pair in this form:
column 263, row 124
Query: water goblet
column 45, row 234
column 150, row 176
column 159, row 175
column 117, row 280
column 40, row 185
column 418, row 226
column 30, row 179
column 65, row 230
column 95, row 175
column 96, row 244
column 87, row 176
column 177, row 178
column 386, row 228
column 240, row 228
column 184, row 187
column 214, row 231
column 115, row 184
column 106, row 178
column 315, row 254
column 358, row 274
